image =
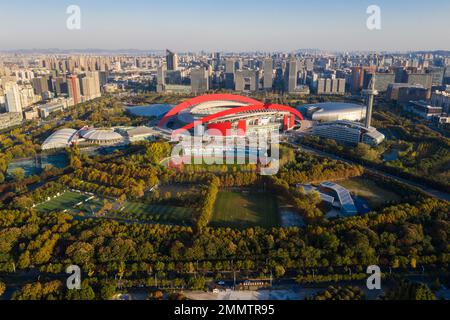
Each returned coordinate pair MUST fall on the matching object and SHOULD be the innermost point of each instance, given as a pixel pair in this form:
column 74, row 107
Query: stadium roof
column 335, row 111
column 250, row 109
column 59, row 139
column 101, row 135
column 138, row 131
column 206, row 98
column 332, row 106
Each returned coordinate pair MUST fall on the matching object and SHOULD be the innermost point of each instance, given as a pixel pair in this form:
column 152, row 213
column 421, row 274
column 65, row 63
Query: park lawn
column 243, row 209
column 66, row 201
column 159, row 213
column 367, row 189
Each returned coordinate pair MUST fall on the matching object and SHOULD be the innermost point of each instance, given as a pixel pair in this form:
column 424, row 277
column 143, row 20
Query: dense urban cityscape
column 221, row 175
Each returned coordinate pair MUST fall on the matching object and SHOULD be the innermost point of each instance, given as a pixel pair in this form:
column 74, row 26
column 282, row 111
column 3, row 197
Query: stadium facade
column 349, row 132
column 334, row 111
column 231, row 115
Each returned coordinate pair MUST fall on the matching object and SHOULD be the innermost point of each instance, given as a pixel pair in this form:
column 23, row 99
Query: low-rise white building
column 10, row 119
column 441, row 99
column 349, row 132
column 423, row 109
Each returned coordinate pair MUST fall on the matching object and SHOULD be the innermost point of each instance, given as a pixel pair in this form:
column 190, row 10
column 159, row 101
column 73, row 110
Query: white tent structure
column 59, row 139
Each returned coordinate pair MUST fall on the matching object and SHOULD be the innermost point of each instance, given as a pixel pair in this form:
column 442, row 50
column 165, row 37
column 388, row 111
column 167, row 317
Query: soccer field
column 157, row 213
column 66, row 201
column 243, row 209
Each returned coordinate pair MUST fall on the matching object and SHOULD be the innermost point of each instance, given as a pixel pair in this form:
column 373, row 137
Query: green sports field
column 157, row 213
column 89, row 208
column 64, row 202
column 241, row 209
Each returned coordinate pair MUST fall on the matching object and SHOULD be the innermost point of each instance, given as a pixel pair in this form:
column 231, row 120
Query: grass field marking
column 65, row 201
column 158, row 212
column 242, row 209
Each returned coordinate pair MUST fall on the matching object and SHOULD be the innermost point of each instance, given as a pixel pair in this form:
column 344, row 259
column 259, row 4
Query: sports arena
column 231, row 115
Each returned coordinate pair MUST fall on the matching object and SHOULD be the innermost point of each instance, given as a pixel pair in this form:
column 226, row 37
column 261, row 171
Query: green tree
column 80, row 252
column 2, row 288
column 85, row 293
column 24, row 260
column 197, row 283
column 364, row 151
column 406, row 290
column 17, row 174
column 107, row 290
column 279, row 271
column 23, row 202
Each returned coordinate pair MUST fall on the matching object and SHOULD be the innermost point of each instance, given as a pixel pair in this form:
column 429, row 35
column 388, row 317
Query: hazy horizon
column 232, row 26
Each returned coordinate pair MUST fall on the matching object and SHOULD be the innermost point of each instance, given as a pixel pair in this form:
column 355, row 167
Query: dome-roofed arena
column 59, row 139
column 100, row 136
column 230, row 114
column 334, row 111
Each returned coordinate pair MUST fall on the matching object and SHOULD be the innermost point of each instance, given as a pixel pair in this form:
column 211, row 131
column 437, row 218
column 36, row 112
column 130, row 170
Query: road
column 425, row 189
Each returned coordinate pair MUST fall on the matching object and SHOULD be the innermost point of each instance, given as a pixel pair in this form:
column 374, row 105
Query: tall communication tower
column 370, row 92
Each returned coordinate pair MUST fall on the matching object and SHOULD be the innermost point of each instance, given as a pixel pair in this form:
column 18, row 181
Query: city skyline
column 232, row 26
column 183, row 151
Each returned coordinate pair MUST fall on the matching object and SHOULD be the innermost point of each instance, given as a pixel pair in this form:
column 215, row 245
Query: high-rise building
column 27, row 96
column 230, row 68
column 73, row 85
column 437, row 75
column 424, row 79
column 247, row 80
column 104, row 75
column 291, row 75
column 217, row 61
column 13, row 101
column 358, row 77
column 90, row 85
column 94, row 83
column 172, row 61
column 331, row 86
column 403, row 92
column 40, row 85
column 268, row 73
column 161, row 79
column 60, row 85
column 309, row 64
column 383, row 80
column 199, row 80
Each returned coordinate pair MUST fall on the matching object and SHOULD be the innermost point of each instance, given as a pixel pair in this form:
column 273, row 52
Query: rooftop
column 143, row 130
column 100, row 135
column 59, row 139
column 345, row 199
column 333, row 106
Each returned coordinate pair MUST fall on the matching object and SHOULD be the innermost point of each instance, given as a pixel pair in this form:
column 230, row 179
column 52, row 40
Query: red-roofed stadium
column 230, row 113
